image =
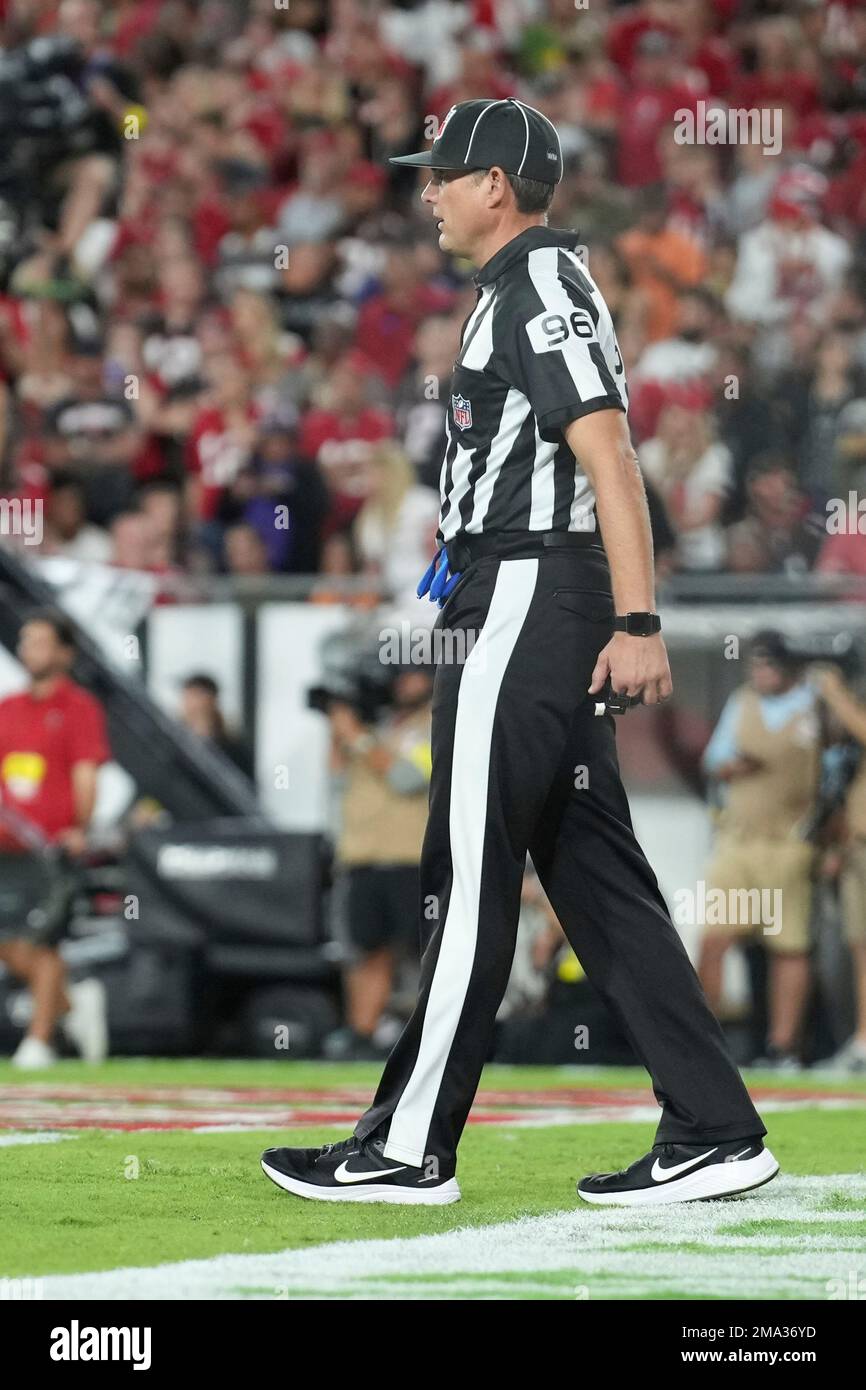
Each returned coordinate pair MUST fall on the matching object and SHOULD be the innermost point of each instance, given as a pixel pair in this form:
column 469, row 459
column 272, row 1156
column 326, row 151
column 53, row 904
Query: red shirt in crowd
column 341, row 445
column 387, row 335
column 40, row 743
column 645, row 112
column 217, row 453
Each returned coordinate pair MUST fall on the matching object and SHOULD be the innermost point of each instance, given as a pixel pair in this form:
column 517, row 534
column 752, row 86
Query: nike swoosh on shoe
column 660, row 1174
column 342, row 1173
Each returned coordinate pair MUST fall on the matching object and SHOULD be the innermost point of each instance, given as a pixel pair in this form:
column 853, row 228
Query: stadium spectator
column 691, row 351
column 245, row 551
column 655, row 93
column 339, row 432
column 221, row 442
column 775, row 535
column 420, row 399
column 790, row 265
column 282, row 496
column 810, row 406
column 67, row 530
column 691, row 471
column 395, row 531
column 844, row 549
column 94, row 433
column 162, row 502
column 662, row 262
column 255, row 129
column 201, row 713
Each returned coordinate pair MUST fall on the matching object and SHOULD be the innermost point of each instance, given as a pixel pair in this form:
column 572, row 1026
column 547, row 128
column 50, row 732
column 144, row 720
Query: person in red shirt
column 657, row 92
column 339, row 432
column 52, row 743
column 389, row 319
column 220, row 444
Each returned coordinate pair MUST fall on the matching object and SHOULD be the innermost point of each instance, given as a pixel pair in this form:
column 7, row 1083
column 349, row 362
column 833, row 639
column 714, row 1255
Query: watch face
column 641, row 624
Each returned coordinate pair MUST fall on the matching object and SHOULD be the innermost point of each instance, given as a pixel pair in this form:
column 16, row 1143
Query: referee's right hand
column 637, row 667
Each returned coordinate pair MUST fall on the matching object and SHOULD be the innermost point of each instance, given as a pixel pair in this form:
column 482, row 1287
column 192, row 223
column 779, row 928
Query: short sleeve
column 89, row 740
column 554, row 355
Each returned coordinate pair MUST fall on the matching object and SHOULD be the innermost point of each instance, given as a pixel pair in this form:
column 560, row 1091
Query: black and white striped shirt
column 538, row 351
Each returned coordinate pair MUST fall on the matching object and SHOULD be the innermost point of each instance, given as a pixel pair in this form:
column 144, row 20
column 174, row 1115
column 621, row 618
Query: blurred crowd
column 226, row 331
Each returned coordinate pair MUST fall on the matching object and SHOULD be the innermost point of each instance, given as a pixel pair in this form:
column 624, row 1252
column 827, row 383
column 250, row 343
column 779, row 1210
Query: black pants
column 522, row 762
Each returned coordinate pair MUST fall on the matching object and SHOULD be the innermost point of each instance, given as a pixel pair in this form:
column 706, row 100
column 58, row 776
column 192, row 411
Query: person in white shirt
column 691, row 470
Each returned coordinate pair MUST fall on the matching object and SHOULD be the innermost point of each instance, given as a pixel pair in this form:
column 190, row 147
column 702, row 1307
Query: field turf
column 174, row 1204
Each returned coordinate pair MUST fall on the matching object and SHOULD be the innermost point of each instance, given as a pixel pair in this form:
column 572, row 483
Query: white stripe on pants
column 480, row 684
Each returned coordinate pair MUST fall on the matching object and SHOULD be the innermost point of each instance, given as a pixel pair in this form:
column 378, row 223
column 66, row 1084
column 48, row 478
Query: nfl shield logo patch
column 462, row 412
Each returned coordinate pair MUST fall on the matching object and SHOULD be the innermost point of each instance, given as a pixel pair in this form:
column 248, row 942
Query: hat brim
column 424, row 160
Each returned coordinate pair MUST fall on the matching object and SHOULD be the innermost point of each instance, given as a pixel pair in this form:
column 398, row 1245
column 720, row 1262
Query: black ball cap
column 479, row 134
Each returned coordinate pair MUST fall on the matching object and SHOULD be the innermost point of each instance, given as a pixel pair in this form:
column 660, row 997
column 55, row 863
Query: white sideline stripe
column 470, row 770
column 587, row 1240
column 8, row 1141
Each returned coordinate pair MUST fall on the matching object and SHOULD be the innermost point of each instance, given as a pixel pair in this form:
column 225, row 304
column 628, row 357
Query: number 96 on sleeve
column 547, row 332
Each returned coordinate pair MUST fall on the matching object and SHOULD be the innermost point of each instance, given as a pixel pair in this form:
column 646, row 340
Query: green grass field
column 184, row 1210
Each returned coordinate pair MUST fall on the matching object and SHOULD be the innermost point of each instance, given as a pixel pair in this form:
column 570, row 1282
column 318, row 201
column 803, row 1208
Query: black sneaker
column 683, row 1173
column 356, row 1171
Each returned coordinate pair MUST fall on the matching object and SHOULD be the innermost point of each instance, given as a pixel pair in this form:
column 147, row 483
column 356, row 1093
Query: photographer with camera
column 765, row 751
column 850, row 714
column 382, row 765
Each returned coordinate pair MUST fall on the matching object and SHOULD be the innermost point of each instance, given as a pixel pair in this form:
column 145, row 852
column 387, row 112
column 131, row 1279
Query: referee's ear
column 500, row 189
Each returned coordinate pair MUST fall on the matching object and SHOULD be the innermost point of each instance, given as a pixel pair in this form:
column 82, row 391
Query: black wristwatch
column 638, row 624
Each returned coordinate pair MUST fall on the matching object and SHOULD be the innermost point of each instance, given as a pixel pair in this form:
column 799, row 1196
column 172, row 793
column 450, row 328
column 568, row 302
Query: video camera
column 354, row 675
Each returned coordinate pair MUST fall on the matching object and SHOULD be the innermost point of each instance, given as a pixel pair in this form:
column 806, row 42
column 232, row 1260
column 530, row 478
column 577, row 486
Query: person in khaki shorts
column 766, row 751
column 384, row 774
column 851, row 714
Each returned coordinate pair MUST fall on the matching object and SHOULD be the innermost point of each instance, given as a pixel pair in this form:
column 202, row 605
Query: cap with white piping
column 508, row 133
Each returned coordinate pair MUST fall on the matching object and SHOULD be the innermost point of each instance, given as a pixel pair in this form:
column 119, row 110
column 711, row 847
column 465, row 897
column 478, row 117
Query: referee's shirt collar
column 521, row 245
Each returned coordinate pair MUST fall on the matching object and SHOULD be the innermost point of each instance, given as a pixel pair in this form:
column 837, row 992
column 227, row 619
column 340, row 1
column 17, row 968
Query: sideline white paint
column 549, row 1256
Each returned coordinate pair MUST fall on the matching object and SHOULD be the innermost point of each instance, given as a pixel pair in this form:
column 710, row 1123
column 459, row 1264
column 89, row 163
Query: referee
column 538, row 459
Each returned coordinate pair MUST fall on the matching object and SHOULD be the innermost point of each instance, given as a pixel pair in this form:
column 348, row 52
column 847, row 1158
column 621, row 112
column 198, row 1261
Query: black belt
column 466, row 549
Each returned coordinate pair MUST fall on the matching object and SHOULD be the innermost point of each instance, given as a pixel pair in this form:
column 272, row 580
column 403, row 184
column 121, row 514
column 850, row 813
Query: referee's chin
column 445, row 244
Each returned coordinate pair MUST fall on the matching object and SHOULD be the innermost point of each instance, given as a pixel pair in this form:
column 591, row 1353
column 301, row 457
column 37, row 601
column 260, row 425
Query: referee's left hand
column 637, row 666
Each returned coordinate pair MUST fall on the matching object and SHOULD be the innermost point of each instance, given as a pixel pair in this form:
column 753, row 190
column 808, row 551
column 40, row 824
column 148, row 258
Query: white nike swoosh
column 660, row 1174
column 342, row 1174
column 733, row 1157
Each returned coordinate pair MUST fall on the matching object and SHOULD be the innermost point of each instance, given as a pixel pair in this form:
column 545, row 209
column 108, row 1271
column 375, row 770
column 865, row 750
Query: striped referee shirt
column 538, row 351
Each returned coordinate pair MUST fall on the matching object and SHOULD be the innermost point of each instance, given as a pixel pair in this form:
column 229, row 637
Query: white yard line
column 576, row 1254
column 7, row 1141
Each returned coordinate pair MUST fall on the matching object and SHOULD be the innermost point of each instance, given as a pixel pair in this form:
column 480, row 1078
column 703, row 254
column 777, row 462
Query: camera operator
column 765, row 751
column 383, row 769
column 850, row 714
